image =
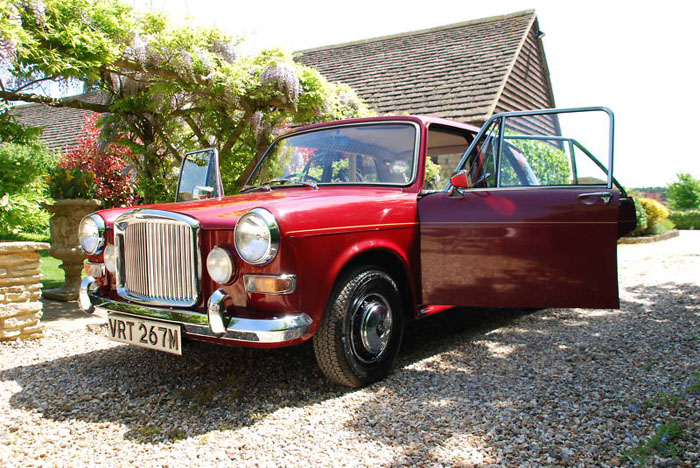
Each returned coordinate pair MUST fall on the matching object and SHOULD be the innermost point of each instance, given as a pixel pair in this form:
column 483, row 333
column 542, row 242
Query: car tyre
column 361, row 331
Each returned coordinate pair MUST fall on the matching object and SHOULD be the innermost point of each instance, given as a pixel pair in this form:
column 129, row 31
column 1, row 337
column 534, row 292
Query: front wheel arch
column 394, row 265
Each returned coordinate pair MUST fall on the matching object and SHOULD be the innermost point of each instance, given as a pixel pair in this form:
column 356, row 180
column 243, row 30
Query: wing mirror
column 460, row 179
column 199, row 176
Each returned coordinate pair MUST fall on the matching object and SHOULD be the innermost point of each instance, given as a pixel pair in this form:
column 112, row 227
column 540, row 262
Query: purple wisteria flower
column 38, row 10
column 225, row 50
column 8, row 51
column 204, row 59
column 137, row 50
column 283, row 77
column 8, row 46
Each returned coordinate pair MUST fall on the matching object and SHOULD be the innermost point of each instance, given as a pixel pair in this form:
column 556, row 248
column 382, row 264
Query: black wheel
column 362, row 328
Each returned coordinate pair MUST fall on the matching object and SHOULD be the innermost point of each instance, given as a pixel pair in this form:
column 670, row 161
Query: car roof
column 424, row 120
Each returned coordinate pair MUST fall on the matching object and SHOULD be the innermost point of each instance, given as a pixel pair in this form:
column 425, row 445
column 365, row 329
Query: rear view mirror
column 199, row 176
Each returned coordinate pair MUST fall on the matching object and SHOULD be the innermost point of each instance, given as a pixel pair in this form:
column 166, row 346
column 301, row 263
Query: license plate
column 154, row 335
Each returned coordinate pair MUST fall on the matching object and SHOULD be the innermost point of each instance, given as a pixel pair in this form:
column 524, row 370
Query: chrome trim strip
column 277, row 330
column 87, row 286
column 215, row 312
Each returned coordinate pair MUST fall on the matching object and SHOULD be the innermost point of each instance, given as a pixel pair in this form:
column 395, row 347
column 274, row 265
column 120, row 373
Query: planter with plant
column 72, row 189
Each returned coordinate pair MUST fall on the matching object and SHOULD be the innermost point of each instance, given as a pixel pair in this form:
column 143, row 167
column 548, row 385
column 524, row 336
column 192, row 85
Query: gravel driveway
column 565, row 387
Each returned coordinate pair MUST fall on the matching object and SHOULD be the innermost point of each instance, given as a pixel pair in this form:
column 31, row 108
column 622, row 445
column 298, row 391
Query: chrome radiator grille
column 158, row 258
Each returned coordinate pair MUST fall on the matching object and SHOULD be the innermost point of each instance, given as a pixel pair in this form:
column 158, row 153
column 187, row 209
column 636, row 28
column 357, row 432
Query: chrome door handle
column 605, row 196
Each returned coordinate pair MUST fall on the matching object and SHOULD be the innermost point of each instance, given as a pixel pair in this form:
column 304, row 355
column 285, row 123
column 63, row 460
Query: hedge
column 686, row 219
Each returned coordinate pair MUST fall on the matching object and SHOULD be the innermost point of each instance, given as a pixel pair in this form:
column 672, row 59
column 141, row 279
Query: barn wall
column 528, row 86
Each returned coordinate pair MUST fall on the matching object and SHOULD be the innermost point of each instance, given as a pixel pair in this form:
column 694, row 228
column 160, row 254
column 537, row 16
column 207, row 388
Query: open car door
column 530, row 218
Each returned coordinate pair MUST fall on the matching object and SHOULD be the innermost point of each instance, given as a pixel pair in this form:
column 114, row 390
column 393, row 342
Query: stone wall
column 20, row 290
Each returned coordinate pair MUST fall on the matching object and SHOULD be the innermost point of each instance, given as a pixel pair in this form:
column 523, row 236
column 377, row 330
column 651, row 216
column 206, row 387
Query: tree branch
column 71, row 102
column 237, row 132
column 197, row 131
column 169, row 145
column 31, row 83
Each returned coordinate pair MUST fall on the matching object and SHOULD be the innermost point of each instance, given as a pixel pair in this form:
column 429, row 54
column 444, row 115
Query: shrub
column 641, row 218
column 656, row 212
column 21, row 165
column 113, row 181
column 549, row 164
column 686, row 219
column 22, row 188
column 70, row 182
column 684, row 194
column 652, row 217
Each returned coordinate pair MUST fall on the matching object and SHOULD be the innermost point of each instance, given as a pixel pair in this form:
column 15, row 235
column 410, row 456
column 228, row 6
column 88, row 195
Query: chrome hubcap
column 375, row 325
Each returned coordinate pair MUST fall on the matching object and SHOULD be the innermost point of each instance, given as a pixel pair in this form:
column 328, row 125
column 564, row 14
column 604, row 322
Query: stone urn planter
column 65, row 219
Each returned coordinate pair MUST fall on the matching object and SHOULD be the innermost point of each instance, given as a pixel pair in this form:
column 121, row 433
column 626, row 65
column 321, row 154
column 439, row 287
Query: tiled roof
column 62, row 126
column 455, row 71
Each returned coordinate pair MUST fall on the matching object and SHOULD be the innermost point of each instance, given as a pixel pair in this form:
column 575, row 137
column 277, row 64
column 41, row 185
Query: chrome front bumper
column 214, row 324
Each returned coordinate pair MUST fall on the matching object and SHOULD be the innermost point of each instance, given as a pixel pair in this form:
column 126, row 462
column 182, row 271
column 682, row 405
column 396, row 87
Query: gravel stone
column 554, row 387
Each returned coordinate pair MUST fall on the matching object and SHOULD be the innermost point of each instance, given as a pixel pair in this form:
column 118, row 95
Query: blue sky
column 637, row 58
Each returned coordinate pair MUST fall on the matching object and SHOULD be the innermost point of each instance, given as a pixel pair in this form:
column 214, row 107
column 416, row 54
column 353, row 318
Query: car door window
column 550, row 151
column 481, row 163
column 446, row 146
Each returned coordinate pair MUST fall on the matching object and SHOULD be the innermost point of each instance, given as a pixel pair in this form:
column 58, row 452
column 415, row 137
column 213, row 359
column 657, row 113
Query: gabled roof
column 62, row 126
column 456, row 71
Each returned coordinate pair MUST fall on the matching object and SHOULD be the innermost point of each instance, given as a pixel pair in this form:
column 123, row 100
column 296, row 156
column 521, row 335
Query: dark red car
column 347, row 230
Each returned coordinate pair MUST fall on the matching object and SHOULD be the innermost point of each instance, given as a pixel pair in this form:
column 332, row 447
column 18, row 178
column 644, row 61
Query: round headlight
column 220, row 265
column 257, row 236
column 91, row 234
column 110, row 258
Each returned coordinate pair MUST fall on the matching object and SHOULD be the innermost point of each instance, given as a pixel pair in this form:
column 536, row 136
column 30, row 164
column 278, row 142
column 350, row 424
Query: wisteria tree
column 168, row 88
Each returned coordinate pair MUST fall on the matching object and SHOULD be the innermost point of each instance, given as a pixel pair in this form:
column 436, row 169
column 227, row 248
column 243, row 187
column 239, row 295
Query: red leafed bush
column 115, row 182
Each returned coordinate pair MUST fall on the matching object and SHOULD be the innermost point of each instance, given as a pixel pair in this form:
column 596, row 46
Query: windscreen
column 373, row 154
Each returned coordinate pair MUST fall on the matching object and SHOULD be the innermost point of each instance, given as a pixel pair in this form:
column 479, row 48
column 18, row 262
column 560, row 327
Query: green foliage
column 21, row 165
column 64, row 182
column 432, row 175
column 684, row 194
column 686, row 219
column 12, row 131
column 22, row 188
column 656, row 212
column 652, row 217
column 171, row 89
column 22, row 212
column 642, row 221
column 26, row 237
column 661, row 442
column 550, row 164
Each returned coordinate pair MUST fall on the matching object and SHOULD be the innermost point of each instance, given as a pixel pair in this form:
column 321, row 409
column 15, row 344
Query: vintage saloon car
column 344, row 232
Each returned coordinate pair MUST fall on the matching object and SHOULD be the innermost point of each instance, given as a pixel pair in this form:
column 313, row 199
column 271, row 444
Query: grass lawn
column 52, row 275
